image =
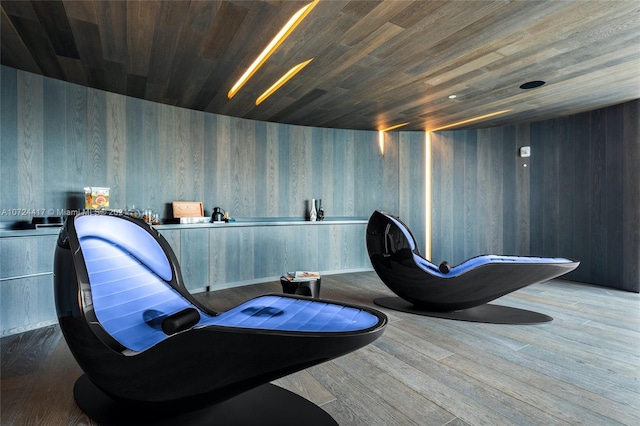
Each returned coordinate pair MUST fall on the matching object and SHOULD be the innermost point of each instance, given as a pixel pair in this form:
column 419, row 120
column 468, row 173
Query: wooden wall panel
column 8, row 139
column 64, row 137
column 630, row 196
column 521, row 228
column 442, row 149
column 411, row 178
column 26, row 256
column 30, row 150
column 26, row 303
column 194, row 258
column 54, row 119
column 26, row 283
column 578, row 196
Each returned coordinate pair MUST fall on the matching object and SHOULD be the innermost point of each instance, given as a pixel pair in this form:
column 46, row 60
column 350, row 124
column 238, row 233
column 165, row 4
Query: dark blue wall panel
column 577, row 195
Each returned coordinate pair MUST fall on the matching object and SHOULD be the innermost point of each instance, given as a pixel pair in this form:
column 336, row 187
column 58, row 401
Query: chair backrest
column 129, row 277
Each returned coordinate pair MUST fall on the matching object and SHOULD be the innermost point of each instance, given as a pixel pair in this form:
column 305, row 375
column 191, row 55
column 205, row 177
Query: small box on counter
column 187, row 209
column 96, row 197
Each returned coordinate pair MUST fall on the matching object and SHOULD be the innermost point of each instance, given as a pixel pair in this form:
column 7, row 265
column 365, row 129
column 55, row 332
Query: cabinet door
column 26, row 283
column 194, row 258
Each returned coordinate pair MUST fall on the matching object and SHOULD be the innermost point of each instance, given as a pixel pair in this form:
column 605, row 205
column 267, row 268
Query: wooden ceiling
column 376, row 63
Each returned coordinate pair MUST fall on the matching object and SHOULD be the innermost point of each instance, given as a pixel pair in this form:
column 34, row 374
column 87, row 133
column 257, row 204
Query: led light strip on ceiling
column 471, row 120
column 395, row 126
column 293, row 71
column 272, row 46
column 381, row 135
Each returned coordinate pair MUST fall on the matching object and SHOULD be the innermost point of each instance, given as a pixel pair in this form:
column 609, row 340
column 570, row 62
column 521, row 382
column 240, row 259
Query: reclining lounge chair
column 152, row 354
column 459, row 292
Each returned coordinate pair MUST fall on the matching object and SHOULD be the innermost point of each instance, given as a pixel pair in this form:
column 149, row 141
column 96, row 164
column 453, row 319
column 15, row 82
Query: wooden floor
column 582, row 368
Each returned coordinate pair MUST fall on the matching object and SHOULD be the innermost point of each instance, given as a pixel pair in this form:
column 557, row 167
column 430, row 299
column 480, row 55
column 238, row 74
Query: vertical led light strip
column 427, row 193
column 272, row 46
column 386, row 129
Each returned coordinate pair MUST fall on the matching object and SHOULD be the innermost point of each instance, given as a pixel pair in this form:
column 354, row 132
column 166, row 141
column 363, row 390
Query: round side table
column 303, row 288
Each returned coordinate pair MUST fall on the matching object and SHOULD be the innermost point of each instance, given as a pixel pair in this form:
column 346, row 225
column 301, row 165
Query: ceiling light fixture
column 532, row 84
column 470, row 120
column 282, row 80
column 395, row 126
column 272, row 46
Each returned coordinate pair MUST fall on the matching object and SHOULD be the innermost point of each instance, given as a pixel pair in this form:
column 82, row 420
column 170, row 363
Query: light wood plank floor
column 582, row 368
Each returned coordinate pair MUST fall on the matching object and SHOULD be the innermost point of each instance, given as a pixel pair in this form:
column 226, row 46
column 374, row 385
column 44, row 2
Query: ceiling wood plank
column 375, row 63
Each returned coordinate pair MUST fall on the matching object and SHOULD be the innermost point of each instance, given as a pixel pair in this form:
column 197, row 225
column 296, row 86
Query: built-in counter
column 212, row 257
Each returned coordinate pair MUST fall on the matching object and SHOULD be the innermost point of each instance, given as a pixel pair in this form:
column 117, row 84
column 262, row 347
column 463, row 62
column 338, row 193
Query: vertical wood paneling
column 522, row 195
column 116, row 148
column 442, row 196
column 164, row 174
column 209, row 183
column 28, row 299
column 288, row 199
column 464, row 183
column 578, row 196
column 582, row 195
column 173, row 238
column 8, row 138
column 598, row 187
column 56, row 179
column 194, row 258
column 630, row 197
column 348, row 176
column 30, row 176
column 613, row 200
column 411, row 180
column 221, row 179
column 391, row 166
column 329, row 183
column 180, row 146
column 135, row 125
column 509, row 190
column 490, row 184
column 96, row 172
column 261, row 168
column 339, row 160
column 271, row 174
column 468, row 142
column 566, row 160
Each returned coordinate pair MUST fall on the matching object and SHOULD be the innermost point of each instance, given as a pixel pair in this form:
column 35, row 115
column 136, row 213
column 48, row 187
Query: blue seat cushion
column 130, row 301
column 486, row 259
column 469, row 264
column 274, row 312
column 129, row 235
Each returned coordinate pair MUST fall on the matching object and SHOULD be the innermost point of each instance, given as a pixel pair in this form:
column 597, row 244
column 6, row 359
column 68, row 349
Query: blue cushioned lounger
column 142, row 338
column 441, row 288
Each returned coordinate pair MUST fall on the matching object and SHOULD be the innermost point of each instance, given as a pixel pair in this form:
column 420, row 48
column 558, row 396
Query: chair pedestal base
column 488, row 313
column 266, row 404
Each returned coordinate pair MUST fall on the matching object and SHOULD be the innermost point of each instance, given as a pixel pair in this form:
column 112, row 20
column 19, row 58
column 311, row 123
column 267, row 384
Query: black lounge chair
column 152, row 354
column 459, row 292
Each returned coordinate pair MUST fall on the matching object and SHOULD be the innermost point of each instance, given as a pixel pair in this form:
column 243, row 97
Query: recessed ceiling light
column 453, row 96
column 532, row 84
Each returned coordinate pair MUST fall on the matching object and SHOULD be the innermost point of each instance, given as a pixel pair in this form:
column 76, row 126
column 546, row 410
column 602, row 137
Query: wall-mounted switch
column 525, row 151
